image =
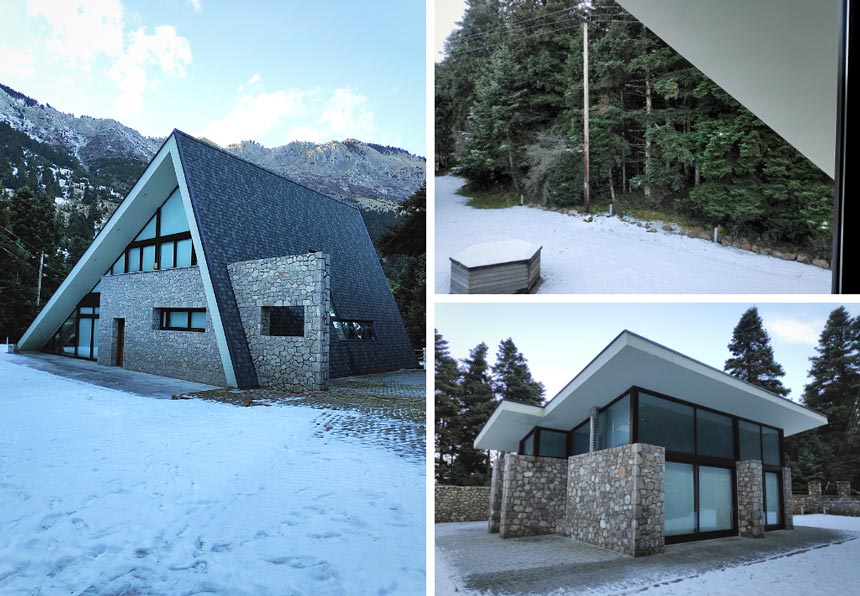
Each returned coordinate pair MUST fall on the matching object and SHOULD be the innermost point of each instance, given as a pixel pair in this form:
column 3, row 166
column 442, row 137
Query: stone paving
column 386, row 409
column 538, row 565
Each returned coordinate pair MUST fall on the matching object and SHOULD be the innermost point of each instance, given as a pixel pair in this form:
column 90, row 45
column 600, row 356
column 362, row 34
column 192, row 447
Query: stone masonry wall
column 461, row 503
column 615, row 499
column 750, row 494
column 496, row 486
column 135, row 297
column 290, row 363
column 843, row 503
column 533, row 495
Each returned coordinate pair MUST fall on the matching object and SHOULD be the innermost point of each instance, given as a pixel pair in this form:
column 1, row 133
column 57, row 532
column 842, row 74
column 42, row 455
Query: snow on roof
column 492, row 253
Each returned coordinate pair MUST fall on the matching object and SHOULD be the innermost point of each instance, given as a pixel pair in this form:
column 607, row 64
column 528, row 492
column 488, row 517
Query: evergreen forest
column 666, row 143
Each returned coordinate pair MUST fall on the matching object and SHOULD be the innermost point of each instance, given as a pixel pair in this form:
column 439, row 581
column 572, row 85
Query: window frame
column 164, row 318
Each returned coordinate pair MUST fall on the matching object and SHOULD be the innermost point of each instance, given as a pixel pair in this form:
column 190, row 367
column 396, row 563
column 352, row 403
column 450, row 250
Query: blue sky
column 560, row 339
column 277, row 72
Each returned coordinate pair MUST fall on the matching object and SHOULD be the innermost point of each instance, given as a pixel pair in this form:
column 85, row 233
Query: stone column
column 750, row 495
column 843, row 489
column 814, row 489
column 533, row 496
column 496, row 493
column 787, row 503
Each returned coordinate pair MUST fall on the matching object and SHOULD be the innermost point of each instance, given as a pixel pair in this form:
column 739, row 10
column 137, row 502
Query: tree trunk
column 697, row 176
column 624, row 176
column 611, row 184
column 647, row 125
column 511, row 163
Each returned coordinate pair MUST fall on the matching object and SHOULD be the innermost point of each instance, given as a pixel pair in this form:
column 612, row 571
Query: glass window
column 715, row 499
column 148, row 231
column 173, row 218
column 165, row 260
column 119, row 266
column 85, row 333
column 771, row 502
column 148, row 258
column 177, row 318
column 714, row 435
column 553, row 443
column 750, row 440
column 198, row 319
column 133, row 259
column 96, row 337
column 614, row 425
column 581, row 439
column 529, row 445
column 770, row 442
column 665, row 423
column 680, row 513
column 98, row 288
column 183, row 253
column 358, row 330
column 284, row 321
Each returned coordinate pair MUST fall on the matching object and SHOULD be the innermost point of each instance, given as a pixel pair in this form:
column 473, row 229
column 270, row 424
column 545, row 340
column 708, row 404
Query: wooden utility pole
column 586, row 188
column 39, row 283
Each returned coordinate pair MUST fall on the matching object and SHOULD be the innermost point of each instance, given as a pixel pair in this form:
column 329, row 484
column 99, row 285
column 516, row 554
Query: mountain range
column 110, row 156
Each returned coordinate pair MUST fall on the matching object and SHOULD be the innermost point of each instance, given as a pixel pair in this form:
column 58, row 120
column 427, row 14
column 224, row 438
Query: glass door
column 772, row 501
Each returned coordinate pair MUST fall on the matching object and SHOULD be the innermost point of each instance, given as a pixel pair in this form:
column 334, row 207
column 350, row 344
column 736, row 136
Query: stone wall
column 290, row 363
column 615, row 499
column 533, row 495
column 461, row 503
column 843, row 503
column 496, row 486
column 136, row 297
column 750, row 494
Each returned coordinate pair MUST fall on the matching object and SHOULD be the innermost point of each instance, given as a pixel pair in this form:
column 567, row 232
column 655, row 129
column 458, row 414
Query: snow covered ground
column 824, row 570
column 611, row 256
column 105, row 492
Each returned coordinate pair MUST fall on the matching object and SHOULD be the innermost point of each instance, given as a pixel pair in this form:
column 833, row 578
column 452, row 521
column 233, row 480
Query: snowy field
column 611, row 256
column 104, row 493
column 825, row 570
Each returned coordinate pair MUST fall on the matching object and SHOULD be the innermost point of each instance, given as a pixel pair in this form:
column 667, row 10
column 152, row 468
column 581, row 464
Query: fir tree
column 512, row 379
column 447, row 411
column 752, row 356
column 472, row 466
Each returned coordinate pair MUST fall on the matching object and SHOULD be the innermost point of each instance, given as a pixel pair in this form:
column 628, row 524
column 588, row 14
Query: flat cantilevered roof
column 632, row 360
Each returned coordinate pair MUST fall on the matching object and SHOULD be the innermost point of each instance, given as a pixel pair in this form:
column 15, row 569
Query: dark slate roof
column 245, row 212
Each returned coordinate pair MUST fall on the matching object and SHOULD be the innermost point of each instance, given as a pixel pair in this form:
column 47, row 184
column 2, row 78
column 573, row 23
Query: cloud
column 16, row 63
column 794, row 331
column 81, row 30
column 197, row 5
column 293, row 114
column 167, row 50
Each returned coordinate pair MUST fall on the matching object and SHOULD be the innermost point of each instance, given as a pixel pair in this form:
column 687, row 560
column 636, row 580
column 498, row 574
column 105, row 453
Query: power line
column 513, row 25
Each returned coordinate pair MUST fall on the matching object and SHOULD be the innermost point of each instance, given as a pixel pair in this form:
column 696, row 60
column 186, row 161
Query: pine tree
column 447, row 411
column 512, row 379
column 835, row 392
column 752, row 356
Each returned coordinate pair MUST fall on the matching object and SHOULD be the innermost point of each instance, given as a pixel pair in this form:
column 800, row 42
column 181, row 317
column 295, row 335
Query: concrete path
column 111, row 377
column 484, row 562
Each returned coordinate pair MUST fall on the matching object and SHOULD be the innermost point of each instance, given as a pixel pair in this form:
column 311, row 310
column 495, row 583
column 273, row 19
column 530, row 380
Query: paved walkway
column 484, row 562
column 111, row 377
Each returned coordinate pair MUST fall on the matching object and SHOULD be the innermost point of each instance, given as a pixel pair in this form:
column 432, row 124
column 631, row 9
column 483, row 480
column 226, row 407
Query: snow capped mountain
column 352, row 170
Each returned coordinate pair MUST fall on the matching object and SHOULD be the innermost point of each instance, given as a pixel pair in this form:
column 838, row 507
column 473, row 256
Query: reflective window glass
column 665, row 423
column 715, row 499
column 749, row 437
column 771, row 502
column 183, row 253
column 614, row 424
column 198, row 320
column 529, row 445
column 148, row 231
column 149, row 258
column 680, row 513
column 770, row 442
column 553, row 444
column 714, row 435
column 165, row 260
column 173, row 218
column 581, row 439
column 133, row 260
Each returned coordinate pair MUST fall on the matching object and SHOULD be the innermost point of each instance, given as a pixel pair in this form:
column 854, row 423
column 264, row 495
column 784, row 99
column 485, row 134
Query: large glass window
column 715, row 499
column 529, row 444
column 182, row 319
column 78, row 336
column 714, row 435
column 770, row 442
column 680, row 512
column 749, row 437
column 353, row 330
column 665, row 423
column 553, row 443
column 614, row 425
column 581, row 438
column 773, row 512
column 173, row 220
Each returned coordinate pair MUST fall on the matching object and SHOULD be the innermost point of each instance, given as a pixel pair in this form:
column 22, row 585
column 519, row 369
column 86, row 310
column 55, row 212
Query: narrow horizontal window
column 353, row 330
column 182, row 319
column 284, row 321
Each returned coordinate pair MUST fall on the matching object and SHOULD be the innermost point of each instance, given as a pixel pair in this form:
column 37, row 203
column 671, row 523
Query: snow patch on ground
column 105, row 492
column 608, row 255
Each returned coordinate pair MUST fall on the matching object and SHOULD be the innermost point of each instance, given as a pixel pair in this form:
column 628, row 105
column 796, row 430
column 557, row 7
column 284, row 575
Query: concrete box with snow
column 502, row 267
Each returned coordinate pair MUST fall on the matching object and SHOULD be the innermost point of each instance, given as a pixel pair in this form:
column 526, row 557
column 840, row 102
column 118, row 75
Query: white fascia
column 208, row 289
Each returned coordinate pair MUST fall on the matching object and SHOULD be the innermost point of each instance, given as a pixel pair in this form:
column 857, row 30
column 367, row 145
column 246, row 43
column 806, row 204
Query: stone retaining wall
column 615, row 499
column 533, row 495
column 461, row 503
column 843, row 503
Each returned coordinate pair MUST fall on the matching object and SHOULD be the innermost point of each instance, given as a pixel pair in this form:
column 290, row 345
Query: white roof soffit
column 147, row 195
column 633, row 360
column 776, row 57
